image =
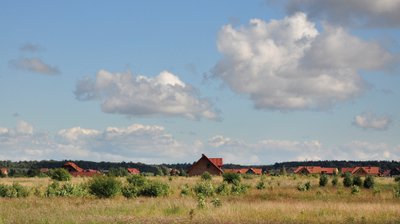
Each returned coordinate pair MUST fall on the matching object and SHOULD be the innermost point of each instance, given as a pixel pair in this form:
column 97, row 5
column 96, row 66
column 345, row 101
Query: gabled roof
column 347, row 169
column 74, row 166
column 328, row 170
column 255, row 170
column 133, row 170
column 217, row 161
column 309, row 169
column 374, row 170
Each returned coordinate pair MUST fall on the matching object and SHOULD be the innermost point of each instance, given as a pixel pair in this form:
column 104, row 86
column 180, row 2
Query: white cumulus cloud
column 165, row 94
column 372, row 121
column 289, row 65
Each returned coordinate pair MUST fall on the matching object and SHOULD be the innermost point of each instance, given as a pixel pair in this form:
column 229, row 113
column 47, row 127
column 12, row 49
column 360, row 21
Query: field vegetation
column 217, row 199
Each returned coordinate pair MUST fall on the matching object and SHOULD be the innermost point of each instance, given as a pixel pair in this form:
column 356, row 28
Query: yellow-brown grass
column 280, row 202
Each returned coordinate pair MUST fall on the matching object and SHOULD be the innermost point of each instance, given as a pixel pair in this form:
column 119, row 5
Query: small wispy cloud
column 29, row 47
column 34, row 65
column 372, row 121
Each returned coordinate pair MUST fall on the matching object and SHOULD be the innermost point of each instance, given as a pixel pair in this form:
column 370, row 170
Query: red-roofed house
column 346, row 170
column 205, row 164
column 75, row 170
column 133, row 171
column 362, row 171
column 255, row 171
column 366, row 170
column 4, row 171
column 304, row 170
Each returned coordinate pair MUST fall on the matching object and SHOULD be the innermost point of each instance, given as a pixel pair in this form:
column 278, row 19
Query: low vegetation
column 226, row 199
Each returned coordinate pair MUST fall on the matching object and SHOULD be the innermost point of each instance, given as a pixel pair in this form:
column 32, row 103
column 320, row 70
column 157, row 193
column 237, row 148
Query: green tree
column 104, row 186
column 369, row 182
column 323, row 180
column 206, row 176
column 347, row 180
column 357, row 181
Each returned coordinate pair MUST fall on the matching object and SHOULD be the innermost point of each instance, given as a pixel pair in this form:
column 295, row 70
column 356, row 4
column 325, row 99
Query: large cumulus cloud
column 289, row 65
column 165, row 94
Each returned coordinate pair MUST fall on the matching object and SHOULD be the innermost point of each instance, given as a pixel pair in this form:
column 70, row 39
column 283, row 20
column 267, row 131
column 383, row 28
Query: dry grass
column 280, row 202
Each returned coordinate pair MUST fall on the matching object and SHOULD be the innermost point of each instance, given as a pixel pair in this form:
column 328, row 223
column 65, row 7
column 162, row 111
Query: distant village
column 215, row 166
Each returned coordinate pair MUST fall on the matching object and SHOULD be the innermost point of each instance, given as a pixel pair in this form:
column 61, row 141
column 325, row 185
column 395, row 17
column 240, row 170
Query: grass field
column 279, row 202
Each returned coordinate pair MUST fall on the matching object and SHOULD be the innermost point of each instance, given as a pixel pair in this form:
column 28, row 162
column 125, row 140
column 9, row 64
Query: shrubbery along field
column 230, row 198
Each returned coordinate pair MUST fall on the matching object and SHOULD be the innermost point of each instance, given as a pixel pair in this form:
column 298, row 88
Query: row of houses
column 214, row 167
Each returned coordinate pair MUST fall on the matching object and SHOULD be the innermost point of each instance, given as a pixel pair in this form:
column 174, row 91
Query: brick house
column 362, row 170
column 205, row 164
column 254, row 171
column 305, row 170
column 75, row 170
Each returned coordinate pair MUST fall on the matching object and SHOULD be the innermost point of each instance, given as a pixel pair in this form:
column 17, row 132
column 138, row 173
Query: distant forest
column 162, row 169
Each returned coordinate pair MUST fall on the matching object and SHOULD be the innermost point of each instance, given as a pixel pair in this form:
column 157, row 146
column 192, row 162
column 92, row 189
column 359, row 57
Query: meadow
column 277, row 200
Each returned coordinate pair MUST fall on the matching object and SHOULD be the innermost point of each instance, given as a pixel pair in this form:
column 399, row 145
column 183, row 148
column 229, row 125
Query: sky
column 254, row 82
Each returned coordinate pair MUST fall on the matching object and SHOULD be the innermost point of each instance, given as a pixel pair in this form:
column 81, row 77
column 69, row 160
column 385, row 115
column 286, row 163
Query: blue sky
column 254, row 82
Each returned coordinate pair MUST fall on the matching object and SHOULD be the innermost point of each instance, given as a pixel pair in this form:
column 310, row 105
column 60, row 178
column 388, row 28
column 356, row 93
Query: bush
column 261, row 185
column 136, row 180
column 206, row 176
column 397, row 179
column 118, row 172
column 130, row 191
column 355, row 189
column 231, row 178
column 304, row 187
column 104, row 186
column 239, row 188
column 185, row 190
column 56, row 190
column 154, row 189
column 14, row 191
column 223, row 189
column 60, row 174
column 396, row 192
column 216, row 202
column 201, row 201
column 204, row 188
column 347, row 180
column 357, row 181
column 369, row 182
column 335, row 180
column 323, row 180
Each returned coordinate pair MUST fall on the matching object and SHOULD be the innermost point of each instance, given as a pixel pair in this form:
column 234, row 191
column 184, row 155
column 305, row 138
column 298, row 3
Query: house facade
column 205, row 164
column 4, row 171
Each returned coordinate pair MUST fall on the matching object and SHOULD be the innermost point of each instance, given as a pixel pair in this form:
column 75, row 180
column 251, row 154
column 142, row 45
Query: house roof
column 214, row 162
column 367, row 169
column 217, row 161
column 328, row 170
column 255, row 170
column 133, row 170
column 347, row 169
column 74, row 166
column 309, row 169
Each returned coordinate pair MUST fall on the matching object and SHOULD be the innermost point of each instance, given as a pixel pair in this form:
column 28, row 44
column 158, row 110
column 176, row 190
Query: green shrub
column 323, row 180
column 231, row 178
column 185, row 190
column 248, row 176
column 154, row 189
column 397, row 179
column 136, row 180
column 261, row 185
column 216, row 202
column 335, row 180
column 206, row 176
column 239, row 188
column 66, row 190
column 104, row 186
column 369, row 182
column 60, row 174
column 130, row 191
column 204, row 188
column 357, row 181
column 223, row 189
column 14, row 191
column 396, row 192
column 355, row 189
column 304, row 187
column 118, row 172
column 347, row 180
column 201, row 201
